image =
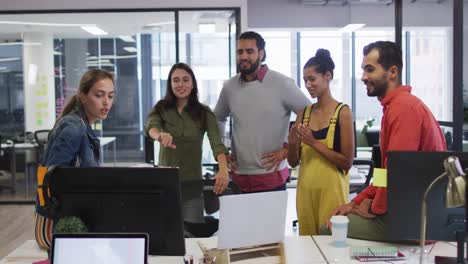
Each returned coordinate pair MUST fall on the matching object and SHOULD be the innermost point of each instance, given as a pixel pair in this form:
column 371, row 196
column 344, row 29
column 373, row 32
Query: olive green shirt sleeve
column 214, row 136
column 154, row 120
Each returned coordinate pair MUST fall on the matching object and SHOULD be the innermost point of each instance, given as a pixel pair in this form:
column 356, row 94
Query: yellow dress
column 321, row 186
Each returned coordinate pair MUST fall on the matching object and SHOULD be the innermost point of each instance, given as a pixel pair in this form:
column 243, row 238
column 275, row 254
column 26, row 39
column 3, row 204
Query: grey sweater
column 260, row 111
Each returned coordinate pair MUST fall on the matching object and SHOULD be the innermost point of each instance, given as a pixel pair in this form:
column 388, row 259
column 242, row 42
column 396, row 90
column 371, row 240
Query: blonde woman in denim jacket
column 72, row 142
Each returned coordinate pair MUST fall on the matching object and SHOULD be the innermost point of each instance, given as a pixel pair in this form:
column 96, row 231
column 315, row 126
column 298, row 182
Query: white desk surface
column 342, row 255
column 19, row 145
column 106, row 140
column 298, row 250
column 103, row 141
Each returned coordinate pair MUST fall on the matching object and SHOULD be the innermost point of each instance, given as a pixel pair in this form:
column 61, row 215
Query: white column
column 346, row 69
column 39, row 87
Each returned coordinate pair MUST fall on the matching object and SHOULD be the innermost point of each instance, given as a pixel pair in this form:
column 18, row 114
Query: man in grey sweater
column 260, row 102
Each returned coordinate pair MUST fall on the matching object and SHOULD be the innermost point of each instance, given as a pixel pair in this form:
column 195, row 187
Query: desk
column 27, row 147
column 342, row 255
column 104, row 141
column 364, row 152
column 21, row 147
column 298, row 250
column 465, row 145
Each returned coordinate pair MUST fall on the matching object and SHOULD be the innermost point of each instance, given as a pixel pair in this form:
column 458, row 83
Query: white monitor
column 103, row 248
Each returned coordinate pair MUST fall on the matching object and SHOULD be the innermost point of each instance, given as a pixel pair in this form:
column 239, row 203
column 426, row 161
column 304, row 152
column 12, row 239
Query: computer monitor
column 409, row 174
column 136, row 200
column 78, row 248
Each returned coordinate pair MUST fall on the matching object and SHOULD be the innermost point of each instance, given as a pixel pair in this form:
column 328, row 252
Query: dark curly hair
column 259, row 41
column 389, row 55
column 322, row 62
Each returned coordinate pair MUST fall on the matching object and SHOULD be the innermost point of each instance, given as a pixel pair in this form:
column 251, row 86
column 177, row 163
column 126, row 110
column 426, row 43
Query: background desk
column 298, row 250
column 30, row 150
column 104, row 141
column 15, row 149
column 342, row 255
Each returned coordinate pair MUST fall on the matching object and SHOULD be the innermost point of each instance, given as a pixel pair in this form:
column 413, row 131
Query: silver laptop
column 103, row 248
column 252, row 219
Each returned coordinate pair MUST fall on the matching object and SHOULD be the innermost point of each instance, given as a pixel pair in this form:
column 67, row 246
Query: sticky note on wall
column 380, row 177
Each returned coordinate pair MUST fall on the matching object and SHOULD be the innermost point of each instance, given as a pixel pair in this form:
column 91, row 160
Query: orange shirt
column 407, row 125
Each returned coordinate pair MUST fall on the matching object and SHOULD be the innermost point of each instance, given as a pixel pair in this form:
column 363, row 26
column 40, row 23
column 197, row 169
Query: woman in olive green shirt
column 179, row 122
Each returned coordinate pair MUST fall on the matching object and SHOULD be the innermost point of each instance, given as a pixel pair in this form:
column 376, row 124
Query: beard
column 380, row 87
column 251, row 69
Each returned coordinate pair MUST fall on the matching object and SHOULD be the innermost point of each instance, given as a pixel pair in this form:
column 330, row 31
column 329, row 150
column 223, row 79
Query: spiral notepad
column 374, row 251
column 387, row 253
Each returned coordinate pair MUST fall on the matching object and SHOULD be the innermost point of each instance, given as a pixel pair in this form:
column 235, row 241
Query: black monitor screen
column 141, row 200
column 409, row 174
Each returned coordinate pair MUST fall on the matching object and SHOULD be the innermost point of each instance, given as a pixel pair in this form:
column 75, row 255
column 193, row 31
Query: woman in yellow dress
column 322, row 141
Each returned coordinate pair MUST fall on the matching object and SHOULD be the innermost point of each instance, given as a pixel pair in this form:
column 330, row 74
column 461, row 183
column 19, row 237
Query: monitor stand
column 460, row 256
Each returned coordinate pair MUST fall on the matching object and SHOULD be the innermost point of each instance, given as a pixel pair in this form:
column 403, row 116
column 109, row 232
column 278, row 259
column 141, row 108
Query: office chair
column 7, row 165
column 41, row 137
column 370, row 173
column 211, row 205
column 373, row 137
column 376, row 156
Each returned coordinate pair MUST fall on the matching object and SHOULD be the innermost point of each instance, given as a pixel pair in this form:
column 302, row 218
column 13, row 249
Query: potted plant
column 70, row 224
column 369, row 123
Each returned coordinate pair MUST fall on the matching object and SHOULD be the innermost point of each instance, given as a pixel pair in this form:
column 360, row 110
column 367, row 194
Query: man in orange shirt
column 407, row 125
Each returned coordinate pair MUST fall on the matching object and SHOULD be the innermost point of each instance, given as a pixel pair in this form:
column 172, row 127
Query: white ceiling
column 115, row 24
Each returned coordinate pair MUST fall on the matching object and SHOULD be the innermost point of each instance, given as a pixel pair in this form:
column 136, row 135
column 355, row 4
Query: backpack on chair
column 46, row 204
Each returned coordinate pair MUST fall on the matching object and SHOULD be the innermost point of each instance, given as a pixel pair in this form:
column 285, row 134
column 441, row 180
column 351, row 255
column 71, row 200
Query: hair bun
column 322, row 53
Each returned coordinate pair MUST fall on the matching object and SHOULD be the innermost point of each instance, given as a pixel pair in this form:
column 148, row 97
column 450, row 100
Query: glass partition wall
column 208, row 39
column 139, row 53
column 428, row 64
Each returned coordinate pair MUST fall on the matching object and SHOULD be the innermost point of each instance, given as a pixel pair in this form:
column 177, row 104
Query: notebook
column 252, row 219
column 382, row 253
column 103, row 248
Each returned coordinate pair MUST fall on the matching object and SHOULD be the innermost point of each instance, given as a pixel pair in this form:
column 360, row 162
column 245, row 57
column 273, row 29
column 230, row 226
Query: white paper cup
column 339, row 230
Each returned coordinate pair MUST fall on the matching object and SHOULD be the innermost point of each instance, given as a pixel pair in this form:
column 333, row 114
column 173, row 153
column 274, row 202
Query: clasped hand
column 299, row 133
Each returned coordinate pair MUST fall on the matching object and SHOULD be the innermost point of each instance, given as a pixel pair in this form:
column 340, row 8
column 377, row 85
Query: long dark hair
column 194, row 107
column 87, row 81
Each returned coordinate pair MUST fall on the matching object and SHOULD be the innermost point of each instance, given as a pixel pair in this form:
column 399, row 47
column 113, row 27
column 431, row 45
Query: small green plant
column 369, row 123
column 70, row 224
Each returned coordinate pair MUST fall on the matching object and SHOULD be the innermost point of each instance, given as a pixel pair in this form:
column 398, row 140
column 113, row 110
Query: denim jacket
column 72, row 143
